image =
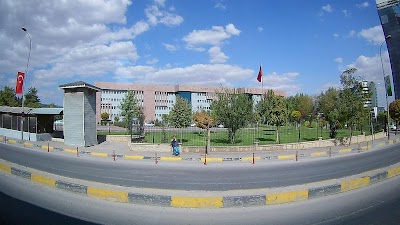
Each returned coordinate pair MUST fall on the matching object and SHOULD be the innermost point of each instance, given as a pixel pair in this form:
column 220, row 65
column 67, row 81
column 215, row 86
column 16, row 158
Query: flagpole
column 262, row 80
column 26, row 73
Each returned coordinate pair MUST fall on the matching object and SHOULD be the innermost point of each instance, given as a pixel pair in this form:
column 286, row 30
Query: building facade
column 158, row 100
column 389, row 14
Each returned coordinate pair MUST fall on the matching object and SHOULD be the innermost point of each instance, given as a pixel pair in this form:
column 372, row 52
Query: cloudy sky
column 303, row 46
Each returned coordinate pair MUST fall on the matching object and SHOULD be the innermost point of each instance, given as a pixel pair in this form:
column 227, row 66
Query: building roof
column 79, row 84
column 32, row 111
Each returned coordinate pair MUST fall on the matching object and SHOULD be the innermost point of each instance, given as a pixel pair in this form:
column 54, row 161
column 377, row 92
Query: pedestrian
column 175, row 146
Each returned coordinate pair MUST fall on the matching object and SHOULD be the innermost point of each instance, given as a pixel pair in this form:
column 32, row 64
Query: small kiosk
column 80, row 126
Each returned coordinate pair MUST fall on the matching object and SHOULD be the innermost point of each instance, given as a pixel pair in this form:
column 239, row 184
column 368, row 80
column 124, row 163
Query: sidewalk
column 122, row 150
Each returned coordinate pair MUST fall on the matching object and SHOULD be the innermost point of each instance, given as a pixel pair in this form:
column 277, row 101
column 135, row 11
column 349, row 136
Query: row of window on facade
column 120, row 92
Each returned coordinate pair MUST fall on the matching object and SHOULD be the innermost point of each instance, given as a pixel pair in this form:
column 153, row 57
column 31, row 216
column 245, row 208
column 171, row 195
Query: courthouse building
column 158, row 100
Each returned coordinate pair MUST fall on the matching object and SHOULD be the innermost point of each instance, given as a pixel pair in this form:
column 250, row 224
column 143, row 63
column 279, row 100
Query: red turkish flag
column 20, row 82
column 259, row 77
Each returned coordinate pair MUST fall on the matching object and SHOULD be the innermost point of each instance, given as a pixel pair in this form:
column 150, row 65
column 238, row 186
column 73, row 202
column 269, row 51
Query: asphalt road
column 23, row 202
column 213, row 177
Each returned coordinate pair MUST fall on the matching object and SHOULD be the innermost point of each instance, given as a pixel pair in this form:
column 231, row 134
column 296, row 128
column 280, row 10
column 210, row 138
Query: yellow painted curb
column 286, row 197
column 98, row 154
column 49, row 147
column 391, row 142
column 354, row 184
column 171, row 158
column 347, row 150
column 393, row 172
column 316, row 154
column 196, row 202
column 70, row 151
column 134, row 157
column 12, row 141
column 43, row 180
column 212, row 159
column 250, row 158
column 381, row 144
column 116, row 196
column 1, row 139
column 28, row 144
column 5, row 168
column 286, row 157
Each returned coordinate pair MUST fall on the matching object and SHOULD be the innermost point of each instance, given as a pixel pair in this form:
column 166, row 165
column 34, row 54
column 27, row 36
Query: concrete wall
column 15, row 134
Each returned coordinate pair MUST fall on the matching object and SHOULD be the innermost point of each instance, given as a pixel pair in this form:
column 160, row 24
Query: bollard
column 5, row 139
column 77, row 152
column 205, row 159
column 156, row 158
column 253, row 158
column 297, row 155
column 367, row 145
column 330, row 152
column 48, row 147
column 114, row 154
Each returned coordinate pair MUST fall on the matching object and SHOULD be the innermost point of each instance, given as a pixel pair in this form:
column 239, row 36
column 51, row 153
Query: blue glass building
column 389, row 14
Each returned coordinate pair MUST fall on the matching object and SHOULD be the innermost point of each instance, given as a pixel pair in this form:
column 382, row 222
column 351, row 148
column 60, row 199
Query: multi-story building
column 158, row 100
column 371, row 101
column 389, row 14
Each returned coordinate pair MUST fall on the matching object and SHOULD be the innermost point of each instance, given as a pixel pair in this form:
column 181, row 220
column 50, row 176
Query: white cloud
column 373, row 35
column 260, row 29
column 155, row 15
column 170, row 47
column 339, row 60
column 363, row 5
column 351, row 33
column 346, row 12
column 281, row 81
column 197, row 74
column 327, row 8
column 216, row 55
column 220, row 5
column 215, row 36
column 232, row 30
column 335, row 35
column 152, row 61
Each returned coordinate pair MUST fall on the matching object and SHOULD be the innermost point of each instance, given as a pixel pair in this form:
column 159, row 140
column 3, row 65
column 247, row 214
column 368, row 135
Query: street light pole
column 26, row 73
column 386, row 94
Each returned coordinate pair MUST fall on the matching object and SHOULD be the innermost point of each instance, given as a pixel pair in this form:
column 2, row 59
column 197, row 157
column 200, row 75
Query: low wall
column 27, row 136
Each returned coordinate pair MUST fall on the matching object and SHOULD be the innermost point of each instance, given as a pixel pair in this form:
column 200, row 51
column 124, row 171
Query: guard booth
column 80, row 127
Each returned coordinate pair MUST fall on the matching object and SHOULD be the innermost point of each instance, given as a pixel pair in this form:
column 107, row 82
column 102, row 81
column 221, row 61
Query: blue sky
column 303, row 46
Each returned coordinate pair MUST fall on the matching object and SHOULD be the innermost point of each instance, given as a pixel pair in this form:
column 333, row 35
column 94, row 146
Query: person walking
column 175, row 146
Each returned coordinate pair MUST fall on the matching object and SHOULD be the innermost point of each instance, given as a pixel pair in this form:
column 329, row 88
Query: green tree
column 274, row 111
column 31, row 98
column 351, row 98
column 329, row 104
column 180, row 115
column 116, row 119
column 394, row 111
column 130, row 110
column 233, row 109
column 302, row 103
column 204, row 120
column 105, row 116
column 8, row 97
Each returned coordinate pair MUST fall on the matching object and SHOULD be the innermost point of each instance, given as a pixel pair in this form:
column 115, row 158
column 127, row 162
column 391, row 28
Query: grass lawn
column 247, row 136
